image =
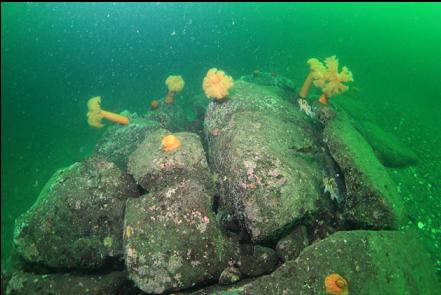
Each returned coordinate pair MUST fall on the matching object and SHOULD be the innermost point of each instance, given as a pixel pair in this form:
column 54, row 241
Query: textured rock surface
column 199, row 104
column 267, row 160
column 155, row 169
column 256, row 261
column 273, row 81
column 171, row 236
column 372, row 199
column 77, row 220
column 290, row 246
column 118, row 142
column 171, row 117
column 372, row 262
column 172, row 240
column 114, row 283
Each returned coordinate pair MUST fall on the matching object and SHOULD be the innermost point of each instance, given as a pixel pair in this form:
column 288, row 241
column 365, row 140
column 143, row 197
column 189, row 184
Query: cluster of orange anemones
column 170, row 143
column 335, row 284
column 216, row 84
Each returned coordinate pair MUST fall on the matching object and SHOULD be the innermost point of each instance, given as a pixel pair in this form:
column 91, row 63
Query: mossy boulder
column 372, row 262
column 274, row 82
column 118, row 142
column 113, row 283
column 267, row 160
column 77, row 220
column 372, row 199
column 153, row 168
column 253, row 98
column 172, row 239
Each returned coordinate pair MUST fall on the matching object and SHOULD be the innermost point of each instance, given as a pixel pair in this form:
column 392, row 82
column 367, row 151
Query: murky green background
column 55, row 56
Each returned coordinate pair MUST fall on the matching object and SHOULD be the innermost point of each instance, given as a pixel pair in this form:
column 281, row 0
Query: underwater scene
column 220, row 148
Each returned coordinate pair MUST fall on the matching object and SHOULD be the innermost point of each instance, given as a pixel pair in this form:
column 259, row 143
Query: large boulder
column 372, row 199
column 118, row 142
column 155, row 169
column 372, row 262
column 171, row 236
column 172, row 240
column 113, row 283
column 267, row 159
column 77, row 220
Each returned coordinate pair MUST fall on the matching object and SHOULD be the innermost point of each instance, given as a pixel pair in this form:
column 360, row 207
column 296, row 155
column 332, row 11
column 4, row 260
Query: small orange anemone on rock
column 170, row 143
column 216, row 84
column 154, row 104
column 335, row 284
column 175, row 84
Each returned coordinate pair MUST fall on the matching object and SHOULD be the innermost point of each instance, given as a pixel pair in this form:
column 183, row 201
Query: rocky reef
column 254, row 197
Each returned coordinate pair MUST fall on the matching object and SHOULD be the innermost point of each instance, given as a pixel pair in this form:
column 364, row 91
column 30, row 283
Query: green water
column 56, row 56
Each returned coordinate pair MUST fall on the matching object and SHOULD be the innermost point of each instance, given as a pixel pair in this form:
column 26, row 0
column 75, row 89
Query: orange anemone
column 170, row 143
column 174, row 84
column 327, row 77
column 216, row 84
column 96, row 114
column 335, row 284
column 154, row 104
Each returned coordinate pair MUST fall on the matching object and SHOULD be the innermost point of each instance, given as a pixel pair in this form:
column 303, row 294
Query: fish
column 331, row 187
column 305, row 107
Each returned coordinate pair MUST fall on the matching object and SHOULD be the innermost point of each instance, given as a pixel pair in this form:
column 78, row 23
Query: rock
column 118, row 142
column 274, row 82
column 229, row 276
column 290, row 246
column 199, row 104
column 252, row 98
column 257, row 260
column 68, row 284
column 267, row 160
column 171, row 117
column 389, row 150
column 6, row 277
column 372, row 200
column 77, row 219
column 372, row 262
column 172, row 240
column 217, row 289
column 153, row 168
